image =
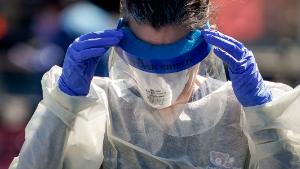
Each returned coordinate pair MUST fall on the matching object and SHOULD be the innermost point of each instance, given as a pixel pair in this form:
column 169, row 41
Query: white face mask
column 160, row 90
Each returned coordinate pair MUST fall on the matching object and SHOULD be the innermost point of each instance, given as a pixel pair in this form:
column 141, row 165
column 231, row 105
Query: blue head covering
column 161, row 59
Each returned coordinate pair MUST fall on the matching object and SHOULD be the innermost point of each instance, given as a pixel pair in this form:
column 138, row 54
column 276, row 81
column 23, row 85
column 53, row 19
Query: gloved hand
column 82, row 58
column 247, row 82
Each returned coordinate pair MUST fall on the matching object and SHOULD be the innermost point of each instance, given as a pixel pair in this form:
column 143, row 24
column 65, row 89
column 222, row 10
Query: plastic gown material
column 164, row 74
column 113, row 127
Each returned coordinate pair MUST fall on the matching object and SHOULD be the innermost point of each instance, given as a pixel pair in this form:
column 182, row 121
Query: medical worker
column 166, row 103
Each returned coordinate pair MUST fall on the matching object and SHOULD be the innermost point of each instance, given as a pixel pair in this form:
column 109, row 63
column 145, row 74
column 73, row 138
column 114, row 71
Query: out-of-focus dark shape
column 14, row 115
column 282, row 19
column 3, row 27
column 111, row 6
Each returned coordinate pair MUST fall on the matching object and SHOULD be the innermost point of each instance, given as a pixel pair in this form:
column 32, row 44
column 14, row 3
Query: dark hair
column 159, row 13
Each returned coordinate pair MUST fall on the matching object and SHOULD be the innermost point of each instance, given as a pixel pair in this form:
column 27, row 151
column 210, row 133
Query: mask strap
column 207, row 25
column 121, row 23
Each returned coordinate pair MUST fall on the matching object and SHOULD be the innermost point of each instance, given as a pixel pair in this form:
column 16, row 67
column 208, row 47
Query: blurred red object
column 3, row 27
column 11, row 141
column 242, row 19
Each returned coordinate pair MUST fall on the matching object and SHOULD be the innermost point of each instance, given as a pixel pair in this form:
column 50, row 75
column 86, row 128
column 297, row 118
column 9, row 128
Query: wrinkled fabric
column 162, row 72
column 114, row 127
column 198, row 85
column 247, row 82
column 65, row 131
column 161, row 91
column 138, row 137
column 273, row 130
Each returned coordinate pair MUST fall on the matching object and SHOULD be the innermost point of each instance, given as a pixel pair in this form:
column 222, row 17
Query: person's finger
column 226, row 57
column 101, row 34
column 224, row 44
column 89, row 53
column 219, row 34
column 96, row 43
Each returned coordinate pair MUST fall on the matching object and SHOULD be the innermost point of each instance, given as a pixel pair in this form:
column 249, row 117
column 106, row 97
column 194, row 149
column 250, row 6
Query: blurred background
column 34, row 36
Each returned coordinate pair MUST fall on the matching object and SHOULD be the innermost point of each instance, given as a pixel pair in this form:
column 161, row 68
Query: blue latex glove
column 82, row 58
column 247, row 82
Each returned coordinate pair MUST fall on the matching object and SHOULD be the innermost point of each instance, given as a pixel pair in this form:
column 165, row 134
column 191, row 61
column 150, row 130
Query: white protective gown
column 114, row 128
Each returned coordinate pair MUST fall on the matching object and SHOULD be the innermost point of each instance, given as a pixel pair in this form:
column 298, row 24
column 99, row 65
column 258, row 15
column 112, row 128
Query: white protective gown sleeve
column 64, row 132
column 273, row 130
column 67, row 132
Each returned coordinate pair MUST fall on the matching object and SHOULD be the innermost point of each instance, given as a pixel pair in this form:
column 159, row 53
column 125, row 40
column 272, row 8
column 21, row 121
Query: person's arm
column 45, row 140
column 273, row 131
column 271, row 117
column 54, row 119
column 73, row 110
